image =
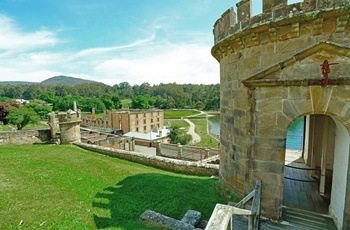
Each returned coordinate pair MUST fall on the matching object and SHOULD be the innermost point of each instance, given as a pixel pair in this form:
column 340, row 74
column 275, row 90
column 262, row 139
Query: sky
column 111, row 41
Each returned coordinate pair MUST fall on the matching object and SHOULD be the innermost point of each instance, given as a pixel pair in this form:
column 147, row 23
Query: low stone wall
column 185, row 152
column 25, row 137
column 145, row 143
column 157, row 161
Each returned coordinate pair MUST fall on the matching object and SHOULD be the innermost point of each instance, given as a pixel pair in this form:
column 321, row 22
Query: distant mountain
column 17, row 83
column 64, row 80
column 58, row 80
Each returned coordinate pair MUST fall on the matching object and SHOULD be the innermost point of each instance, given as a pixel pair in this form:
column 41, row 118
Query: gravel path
column 195, row 137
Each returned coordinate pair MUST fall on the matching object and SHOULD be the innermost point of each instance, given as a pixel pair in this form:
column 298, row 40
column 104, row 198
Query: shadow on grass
column 168, row 195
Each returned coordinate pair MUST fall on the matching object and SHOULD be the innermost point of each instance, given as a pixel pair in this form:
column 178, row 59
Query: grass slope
column 201, row 130
column 177, row 114
column 66, row 187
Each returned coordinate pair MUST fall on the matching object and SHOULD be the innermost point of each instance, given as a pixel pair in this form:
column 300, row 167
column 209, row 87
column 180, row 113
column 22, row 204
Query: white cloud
column 180, row 63
column 103, row 50
column 152, row 59
column 11, row 74
column 13, row 39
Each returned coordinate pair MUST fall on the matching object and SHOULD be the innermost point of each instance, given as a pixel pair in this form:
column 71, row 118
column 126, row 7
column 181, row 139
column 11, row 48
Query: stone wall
column 270, row 76
column 185, row 152
column 25, row 137
column 229, row 23
column 156, row 161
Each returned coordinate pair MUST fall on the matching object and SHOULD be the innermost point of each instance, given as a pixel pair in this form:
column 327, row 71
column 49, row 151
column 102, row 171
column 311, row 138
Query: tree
column 22, row 116
column 170, row 104
column 86, row 104
column 49, row 97
column 176, row 135
column 139, row 102
column 117, row 102
column 64, row 103
column 199, row 105
column 3, row 114
column 107, row 101
column 125, row 90
column 41, row 110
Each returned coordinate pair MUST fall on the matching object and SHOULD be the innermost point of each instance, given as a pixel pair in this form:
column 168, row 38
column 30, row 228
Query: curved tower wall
column 280, row 49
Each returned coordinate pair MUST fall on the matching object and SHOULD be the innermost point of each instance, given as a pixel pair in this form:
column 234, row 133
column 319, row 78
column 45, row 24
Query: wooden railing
column 221, row 218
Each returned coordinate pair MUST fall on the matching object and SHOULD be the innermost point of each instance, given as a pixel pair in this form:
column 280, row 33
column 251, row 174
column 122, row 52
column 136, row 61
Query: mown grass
column 126, row 103
column 29, row 126
column 66, row 187
column 201, row 130
column 178, row 122
column 177, row 114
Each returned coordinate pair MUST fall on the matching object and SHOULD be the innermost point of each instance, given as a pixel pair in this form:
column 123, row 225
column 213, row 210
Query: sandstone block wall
column 161, row 162
column 25, row 137
column 270, row 75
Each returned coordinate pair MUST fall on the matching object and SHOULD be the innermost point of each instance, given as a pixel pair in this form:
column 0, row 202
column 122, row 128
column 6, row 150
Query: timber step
column 300, row 219
column 307, row 220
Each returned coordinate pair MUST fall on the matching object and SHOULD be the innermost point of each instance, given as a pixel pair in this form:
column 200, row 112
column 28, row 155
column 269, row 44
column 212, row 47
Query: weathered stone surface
column 192, row 217
column 320, row 98
column 155, row 217
column 275, row 65
column 25, row 137
column 157, row 161
column 269, row 105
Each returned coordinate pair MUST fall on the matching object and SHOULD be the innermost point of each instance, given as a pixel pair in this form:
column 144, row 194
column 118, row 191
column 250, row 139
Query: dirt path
column 195, row 137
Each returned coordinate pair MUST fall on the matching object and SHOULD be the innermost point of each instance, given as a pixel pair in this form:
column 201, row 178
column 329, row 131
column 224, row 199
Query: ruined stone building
column 142, row 121
column 288, row 62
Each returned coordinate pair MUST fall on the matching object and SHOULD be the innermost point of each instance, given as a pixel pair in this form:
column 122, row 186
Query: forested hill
column 64, row 80
column 164, row 96
column 16, row 83
column 57, row 80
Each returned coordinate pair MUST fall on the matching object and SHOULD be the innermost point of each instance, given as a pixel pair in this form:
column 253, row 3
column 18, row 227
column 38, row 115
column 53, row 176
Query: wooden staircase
column 300, row 219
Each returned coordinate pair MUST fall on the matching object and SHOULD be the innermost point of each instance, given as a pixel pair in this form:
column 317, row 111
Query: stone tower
column 69, row 123
column 271, row 75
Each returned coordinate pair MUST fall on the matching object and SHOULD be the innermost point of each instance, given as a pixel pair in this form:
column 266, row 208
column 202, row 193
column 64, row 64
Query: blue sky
column 111, row 41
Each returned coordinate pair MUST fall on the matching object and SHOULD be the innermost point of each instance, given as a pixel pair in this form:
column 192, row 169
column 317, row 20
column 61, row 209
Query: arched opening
column 315, row 176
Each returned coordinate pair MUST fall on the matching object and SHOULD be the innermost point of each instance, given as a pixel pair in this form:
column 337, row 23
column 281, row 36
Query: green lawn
column 201, row 130
column 178, row 122
column 177, row 114
column 126, row 103
column 66, row 187
column 30, row 126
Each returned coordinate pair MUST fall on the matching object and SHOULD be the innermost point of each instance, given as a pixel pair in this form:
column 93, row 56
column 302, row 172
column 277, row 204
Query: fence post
column 207, row 150
column 179, row 150
column 158, row 149
column 123, row 144
column 129, row 140
column 132, row 144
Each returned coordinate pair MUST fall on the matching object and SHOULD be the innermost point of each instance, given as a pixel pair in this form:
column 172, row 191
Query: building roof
column 148, row 136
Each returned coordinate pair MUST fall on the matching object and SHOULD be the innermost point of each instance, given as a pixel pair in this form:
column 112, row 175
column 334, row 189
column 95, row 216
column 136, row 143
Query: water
column 214, row 126
column 295, row 134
